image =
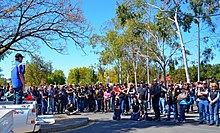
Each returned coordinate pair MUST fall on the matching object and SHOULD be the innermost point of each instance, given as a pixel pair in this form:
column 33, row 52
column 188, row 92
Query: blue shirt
column 183, row 101
column 17, row 69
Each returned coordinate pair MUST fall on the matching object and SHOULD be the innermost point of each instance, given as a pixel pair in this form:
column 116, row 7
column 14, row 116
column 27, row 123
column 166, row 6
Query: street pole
column 198, row 50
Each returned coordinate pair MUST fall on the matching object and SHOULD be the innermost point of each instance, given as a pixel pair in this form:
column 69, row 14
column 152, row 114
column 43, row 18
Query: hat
column 19, row 55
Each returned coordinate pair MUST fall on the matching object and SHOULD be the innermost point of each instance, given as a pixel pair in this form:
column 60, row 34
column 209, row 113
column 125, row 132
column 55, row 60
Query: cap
column 19, row 55
column 51, row 85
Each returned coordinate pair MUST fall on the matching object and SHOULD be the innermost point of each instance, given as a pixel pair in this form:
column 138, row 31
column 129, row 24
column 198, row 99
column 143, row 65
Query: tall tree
column 37, row 71
column 153, row 36
column 176, row 12
column 26, row 25
column 57, row 77
column 81, row 76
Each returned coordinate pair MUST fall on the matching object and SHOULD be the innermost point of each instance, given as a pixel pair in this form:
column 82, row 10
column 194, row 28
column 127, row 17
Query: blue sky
column 97, row 12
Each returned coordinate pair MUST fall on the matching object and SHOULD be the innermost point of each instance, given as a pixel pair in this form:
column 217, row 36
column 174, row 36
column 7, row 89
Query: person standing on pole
column 17, row 78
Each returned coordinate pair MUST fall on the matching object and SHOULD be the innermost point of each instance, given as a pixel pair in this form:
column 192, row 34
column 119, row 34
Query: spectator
column 6, row 89
column 70, row 93
column 143, row 97
column 100, row 99
column 62, row 100
column 44, row 100
column 171, row 99
column 10, row 94
column 135, row 110
column 203, row 102
column 107, row 96
column 51, row 93
column 117, row 110
column 1, row 92
column 213, row 98
column 162, row 102
column 131, row 93
column 82, row 97
column 155, row 94
column 91, row 99
column 70, row 108
column 182, row 103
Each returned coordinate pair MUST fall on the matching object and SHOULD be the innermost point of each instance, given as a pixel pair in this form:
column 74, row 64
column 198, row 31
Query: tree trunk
column 148, row 70
column 164, row 76
column 128, row 75
column 135, row 72
column 183, row 49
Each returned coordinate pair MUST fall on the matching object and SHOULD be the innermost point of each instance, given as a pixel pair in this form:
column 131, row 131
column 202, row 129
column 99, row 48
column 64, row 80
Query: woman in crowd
column 107, row 96
column 182, row 103
column 117, row 110
column 213, row 98
column 44, row 100
column 135, row 110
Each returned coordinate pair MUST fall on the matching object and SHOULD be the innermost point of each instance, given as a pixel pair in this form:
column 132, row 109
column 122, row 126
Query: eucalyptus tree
column 112, row 51
column 154, row 36
column 182, row 13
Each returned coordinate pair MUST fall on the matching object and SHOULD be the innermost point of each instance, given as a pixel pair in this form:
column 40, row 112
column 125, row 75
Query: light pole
column 198, row 23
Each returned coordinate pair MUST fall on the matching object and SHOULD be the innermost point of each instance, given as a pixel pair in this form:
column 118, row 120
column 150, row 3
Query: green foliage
column 3, row 81
column 37, row 71
column 81, row 76
column 206, row 71
column 57, row 77
column 208, row 55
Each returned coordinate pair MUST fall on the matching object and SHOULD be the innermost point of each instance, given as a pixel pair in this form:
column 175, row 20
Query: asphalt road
column 102, row 123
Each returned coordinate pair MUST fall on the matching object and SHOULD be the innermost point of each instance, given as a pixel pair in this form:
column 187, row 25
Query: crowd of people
column 125, row 98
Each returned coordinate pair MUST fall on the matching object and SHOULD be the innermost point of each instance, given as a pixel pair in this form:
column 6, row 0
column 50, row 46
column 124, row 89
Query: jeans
column 82, row 105
column 135, row 116
column 50, row 105
column 130, row 101
column 175, row 111
column 122, row 103
column 214, row 109
column 204, row 106
column 182, row 112
column 18, row 93
column 117, row 114
column 162, row 105
column 70, row 98
column 44, row 107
